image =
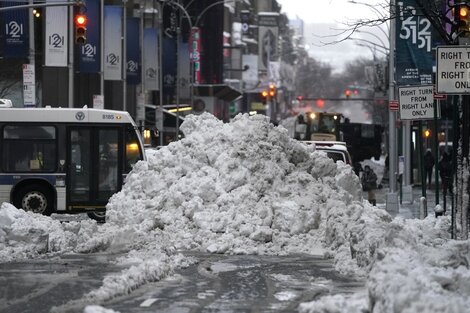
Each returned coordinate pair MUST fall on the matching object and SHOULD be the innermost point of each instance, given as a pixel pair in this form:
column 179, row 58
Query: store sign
column 416, row 102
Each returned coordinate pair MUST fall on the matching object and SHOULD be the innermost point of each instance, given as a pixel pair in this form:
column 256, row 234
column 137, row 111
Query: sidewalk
column 411, row 210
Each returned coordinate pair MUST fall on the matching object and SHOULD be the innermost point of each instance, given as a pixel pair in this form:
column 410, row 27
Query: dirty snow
column 245, row 187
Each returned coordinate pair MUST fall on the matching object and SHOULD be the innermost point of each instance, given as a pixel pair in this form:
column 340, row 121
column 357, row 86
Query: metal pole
column 160, row 57
column 124, row 57
column 178, row 78
column 392, row 196
column 32, row 50
column 436, row 152
column 455, row 128
column 102, row 49
column 71, row 60
column 407, row 188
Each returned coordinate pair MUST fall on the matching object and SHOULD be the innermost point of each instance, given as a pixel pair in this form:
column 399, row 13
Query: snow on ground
column 246, row 187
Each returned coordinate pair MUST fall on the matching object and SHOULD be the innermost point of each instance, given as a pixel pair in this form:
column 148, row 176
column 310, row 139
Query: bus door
column 95, row 164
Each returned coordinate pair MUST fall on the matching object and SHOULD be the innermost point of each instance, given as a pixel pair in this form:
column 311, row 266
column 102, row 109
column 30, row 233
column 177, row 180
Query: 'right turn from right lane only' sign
column 416, row 102
column 453, row 69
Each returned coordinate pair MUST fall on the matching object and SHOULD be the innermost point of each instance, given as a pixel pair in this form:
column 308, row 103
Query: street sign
column 393, row 105
column 29, row 85
column 416, row 102
column 98, row 101
column 29, row 96
column 453, row 69
column 439, row 96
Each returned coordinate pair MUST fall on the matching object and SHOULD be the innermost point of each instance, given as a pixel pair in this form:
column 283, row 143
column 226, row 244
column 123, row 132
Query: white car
column 335, row 150
column 6, row 103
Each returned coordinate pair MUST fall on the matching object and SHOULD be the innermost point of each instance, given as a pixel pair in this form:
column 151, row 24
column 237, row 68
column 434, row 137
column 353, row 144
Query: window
column 368, row 131
column 133, row 152
column 29, row 148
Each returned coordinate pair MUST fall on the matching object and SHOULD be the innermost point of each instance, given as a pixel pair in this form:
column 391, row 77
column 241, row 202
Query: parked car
column 336, row 150
column 6, row 103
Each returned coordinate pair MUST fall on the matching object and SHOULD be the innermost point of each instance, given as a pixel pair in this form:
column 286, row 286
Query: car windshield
column 335, row 155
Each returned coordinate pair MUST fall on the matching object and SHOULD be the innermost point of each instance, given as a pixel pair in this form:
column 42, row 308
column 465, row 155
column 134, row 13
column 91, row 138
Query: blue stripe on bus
column 12, row 179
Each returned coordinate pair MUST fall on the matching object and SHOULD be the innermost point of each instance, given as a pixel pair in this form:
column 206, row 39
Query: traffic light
column 272, row 90
column 347, row 93
column 264, row 96
column 463, row 19
column 80, row 21
column 320, row 103
column 427, row 133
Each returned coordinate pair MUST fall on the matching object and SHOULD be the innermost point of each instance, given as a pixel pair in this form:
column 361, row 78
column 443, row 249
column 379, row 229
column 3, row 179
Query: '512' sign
column 418, row 28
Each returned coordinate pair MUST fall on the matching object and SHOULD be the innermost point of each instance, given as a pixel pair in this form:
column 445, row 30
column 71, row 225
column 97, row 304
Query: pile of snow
column 241, row 188
column 246, row 187
column 25, row 235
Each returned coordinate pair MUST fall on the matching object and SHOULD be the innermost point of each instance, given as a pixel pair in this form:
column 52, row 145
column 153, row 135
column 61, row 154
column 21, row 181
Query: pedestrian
column 369, row 184
column 445, row 172
column 428, row 166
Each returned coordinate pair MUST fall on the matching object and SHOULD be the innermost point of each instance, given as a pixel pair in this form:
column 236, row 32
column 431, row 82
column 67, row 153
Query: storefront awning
column 219, row 91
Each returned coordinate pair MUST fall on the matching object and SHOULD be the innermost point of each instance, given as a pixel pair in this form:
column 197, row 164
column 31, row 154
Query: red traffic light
column 299, row 98
column 320, row 103
column 80, row 28
column 347, row 93
column 80, row 20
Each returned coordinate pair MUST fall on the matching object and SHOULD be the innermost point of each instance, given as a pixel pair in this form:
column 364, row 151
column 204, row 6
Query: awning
column 220, row 91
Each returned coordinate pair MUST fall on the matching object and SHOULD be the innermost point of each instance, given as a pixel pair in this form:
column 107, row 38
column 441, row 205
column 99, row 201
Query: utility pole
column 392, row 195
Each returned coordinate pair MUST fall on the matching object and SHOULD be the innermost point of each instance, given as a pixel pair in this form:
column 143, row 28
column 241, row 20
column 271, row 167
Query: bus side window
column 29, row 148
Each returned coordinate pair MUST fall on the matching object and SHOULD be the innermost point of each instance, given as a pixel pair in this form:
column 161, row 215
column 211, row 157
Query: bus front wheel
column 34, row 198
column 98, row 216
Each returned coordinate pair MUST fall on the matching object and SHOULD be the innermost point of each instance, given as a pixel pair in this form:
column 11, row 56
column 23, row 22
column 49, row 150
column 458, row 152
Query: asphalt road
column 216, row 283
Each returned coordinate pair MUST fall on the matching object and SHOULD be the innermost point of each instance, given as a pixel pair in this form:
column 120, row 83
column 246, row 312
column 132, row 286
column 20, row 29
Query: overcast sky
column 325, row 19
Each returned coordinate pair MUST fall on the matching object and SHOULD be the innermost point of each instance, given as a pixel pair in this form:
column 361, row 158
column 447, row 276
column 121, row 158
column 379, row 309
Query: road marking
column 147, row 303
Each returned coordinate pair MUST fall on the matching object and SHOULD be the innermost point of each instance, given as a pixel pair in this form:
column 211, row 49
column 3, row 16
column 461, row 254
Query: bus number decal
column 108, row 117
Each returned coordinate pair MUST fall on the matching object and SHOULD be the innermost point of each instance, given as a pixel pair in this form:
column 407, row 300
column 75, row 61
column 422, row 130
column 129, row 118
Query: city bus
column 65, row 160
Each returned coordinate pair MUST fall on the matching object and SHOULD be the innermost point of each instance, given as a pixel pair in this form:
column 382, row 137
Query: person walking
column 445, row 172
column 369, row 184
column 428, row 166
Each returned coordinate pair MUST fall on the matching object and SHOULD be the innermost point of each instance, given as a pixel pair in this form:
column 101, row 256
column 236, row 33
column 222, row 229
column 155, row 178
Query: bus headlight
column 132, row 147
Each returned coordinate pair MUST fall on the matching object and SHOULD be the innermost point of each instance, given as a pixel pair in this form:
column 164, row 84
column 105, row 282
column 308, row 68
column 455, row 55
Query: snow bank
column 25, row 235
column 246, row 187
column 242, row 187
